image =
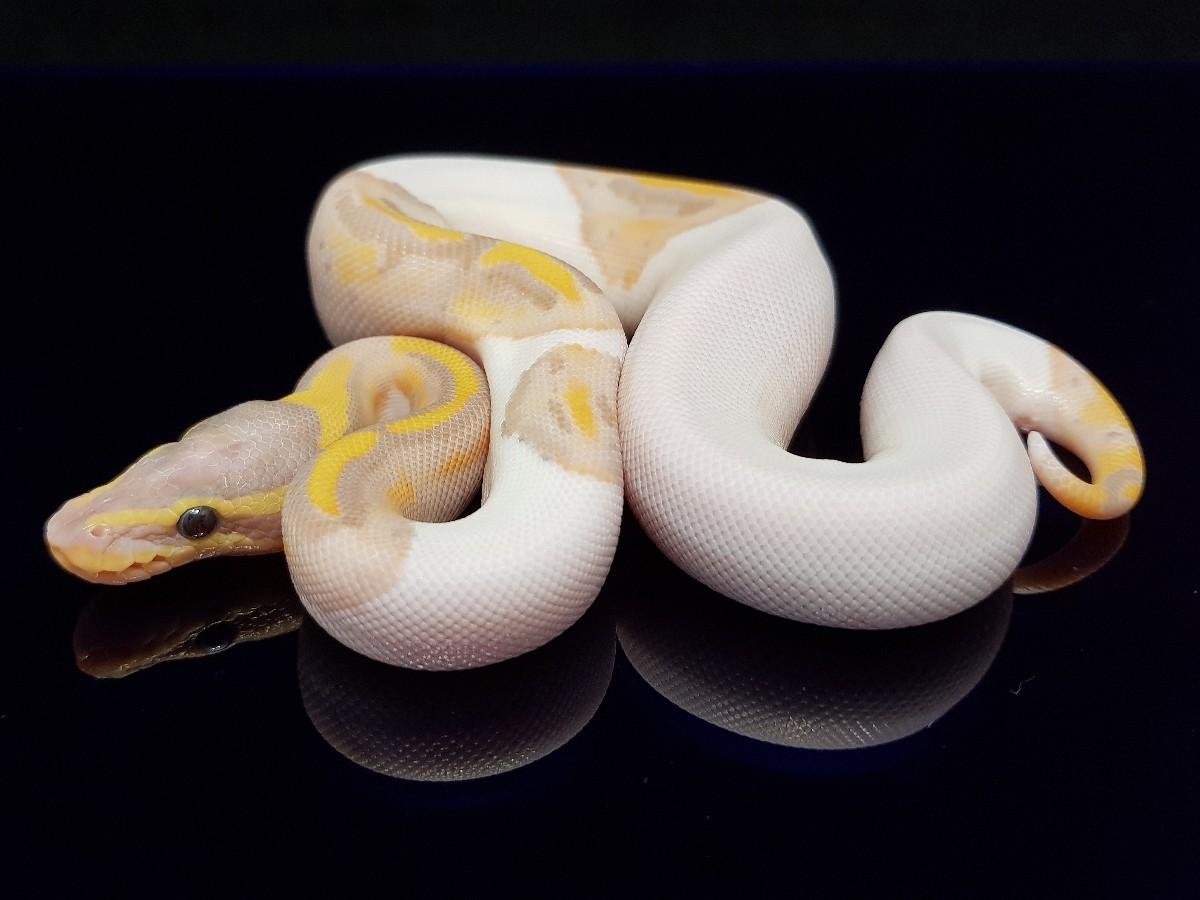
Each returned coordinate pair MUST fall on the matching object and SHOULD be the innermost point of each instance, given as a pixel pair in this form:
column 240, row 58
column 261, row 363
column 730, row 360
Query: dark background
column 1028, row 166
column 673, row 32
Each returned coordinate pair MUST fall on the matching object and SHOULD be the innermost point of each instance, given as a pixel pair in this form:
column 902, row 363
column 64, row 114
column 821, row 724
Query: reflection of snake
column 116, row 636
column 454, row 726
column 799, row 686
column 729, row 354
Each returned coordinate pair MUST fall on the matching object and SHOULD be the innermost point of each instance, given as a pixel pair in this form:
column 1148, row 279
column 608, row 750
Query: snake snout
column 99, row 553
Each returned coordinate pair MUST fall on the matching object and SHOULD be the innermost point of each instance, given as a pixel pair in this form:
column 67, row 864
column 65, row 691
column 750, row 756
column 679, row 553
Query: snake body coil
column 537, row 272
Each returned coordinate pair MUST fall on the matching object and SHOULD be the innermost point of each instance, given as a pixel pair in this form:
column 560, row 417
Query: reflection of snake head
column 201, row 496
column 194, row 618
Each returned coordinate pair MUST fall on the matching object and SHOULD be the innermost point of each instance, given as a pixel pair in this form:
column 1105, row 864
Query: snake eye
column 197, row 522
column 216, row 637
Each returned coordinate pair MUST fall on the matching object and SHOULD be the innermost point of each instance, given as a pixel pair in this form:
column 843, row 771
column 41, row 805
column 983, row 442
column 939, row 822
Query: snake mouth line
column 136, row 571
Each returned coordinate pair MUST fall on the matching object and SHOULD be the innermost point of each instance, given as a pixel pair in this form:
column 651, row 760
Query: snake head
column 218, row 490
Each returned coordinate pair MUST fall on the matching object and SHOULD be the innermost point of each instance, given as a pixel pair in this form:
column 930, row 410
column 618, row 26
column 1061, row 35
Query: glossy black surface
column 153, row 274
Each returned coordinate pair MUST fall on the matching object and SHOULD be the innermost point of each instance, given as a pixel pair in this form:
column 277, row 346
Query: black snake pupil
column 197, row 522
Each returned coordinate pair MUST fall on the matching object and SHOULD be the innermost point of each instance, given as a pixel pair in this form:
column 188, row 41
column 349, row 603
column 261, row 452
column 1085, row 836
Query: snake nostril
column 98, row 531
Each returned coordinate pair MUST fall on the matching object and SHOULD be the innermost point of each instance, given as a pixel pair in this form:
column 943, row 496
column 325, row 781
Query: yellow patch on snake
column 457, row 462
column 353, row 262
column 327, row 470
column 627, row 219
column 544, row 268
column 393, row 201
column 327, row 395
column 517, row 291
column 1119, row 468
column 564, row 405
column 422, row 230
column 578, row 397
column 466, row 384
column 402, row 497
column 688, row 185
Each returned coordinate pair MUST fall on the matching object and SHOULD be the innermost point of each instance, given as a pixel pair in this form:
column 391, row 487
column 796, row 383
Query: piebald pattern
column 529, row 277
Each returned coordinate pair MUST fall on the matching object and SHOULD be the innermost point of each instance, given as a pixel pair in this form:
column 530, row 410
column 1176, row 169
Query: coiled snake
column 537, row 272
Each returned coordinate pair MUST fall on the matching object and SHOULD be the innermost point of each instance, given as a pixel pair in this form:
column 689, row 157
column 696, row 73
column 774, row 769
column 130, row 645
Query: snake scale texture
column 480, row 311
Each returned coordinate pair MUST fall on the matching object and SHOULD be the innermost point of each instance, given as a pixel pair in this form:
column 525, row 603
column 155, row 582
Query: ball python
column 447, row 281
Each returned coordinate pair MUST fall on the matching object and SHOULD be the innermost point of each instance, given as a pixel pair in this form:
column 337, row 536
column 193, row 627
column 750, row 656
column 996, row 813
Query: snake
column 562, row 341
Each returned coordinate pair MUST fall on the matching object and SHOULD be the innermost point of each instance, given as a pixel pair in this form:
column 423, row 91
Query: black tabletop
column 672, row 743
